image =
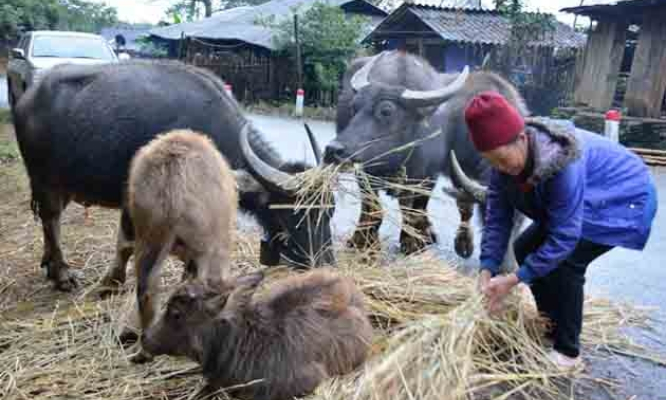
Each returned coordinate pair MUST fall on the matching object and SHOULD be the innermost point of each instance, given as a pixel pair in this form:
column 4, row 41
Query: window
column 70, row 47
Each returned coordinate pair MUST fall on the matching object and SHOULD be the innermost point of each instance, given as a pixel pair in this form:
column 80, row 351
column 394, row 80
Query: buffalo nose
column 334, row 152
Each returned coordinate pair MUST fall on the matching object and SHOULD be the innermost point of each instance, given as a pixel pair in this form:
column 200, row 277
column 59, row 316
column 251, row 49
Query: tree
column 17, row 16
column 328, row 39
column 191, row 10
column 526, row 27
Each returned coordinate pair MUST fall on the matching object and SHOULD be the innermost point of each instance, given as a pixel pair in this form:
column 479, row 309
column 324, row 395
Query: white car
column 37, row 51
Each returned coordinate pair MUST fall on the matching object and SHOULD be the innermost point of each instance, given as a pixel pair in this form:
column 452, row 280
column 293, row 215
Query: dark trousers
column 559, row 295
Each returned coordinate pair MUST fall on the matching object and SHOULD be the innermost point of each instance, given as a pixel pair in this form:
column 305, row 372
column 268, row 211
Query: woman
column 585, row 194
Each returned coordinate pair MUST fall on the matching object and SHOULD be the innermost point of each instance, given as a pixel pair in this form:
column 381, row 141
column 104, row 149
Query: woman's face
column 510, row 158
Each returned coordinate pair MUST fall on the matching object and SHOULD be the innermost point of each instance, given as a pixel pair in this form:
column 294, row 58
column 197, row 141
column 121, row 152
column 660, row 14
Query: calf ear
column 240, row 298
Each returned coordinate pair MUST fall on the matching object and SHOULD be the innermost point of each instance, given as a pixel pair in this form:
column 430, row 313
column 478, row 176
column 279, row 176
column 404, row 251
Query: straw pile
column 433, row 338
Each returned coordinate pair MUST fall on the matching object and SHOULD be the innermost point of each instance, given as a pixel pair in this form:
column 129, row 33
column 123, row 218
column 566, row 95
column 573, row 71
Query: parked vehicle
column 38, row 51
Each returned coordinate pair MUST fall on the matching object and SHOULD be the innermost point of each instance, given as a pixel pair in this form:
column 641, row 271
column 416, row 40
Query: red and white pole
column 612, row 125
column 300, row 94
column 227, row 88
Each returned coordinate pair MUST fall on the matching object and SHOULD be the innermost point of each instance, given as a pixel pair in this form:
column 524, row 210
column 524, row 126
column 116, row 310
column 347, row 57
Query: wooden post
column 299, row 64
column 647, row 83
column 181, row 43
column 603, row 59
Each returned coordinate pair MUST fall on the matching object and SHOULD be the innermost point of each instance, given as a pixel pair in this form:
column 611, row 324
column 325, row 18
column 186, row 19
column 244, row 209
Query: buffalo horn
column 267, row 173
column 360, row 78
column 313, row 142
column 438, row 96
column 477, row 191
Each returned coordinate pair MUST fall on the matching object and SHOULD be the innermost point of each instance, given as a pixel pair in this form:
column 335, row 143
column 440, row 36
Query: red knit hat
column 492, row 121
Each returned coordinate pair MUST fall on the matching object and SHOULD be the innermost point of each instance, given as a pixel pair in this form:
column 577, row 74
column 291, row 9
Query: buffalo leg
column 509, row 263
column 464, row 240
column 367, row 230
column 416, row 233
column 117, row 272
column 51, row 206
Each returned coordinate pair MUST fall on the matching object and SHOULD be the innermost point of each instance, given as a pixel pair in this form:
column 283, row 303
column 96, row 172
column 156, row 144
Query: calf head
column 194, row 311
column 385, row 119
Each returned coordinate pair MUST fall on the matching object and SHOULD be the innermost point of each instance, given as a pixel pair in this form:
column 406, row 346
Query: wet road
column 622, row 275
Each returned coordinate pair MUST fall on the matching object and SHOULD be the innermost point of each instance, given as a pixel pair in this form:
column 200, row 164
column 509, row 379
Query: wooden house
column 607, row 48
column 241, row 51
column 450, row 38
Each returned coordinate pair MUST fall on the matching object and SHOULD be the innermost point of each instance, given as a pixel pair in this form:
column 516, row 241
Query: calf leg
column 117, row 273
column 149, row 259
column 49, row 206
column 367, row 230
column 416, row 231
column 464, row 240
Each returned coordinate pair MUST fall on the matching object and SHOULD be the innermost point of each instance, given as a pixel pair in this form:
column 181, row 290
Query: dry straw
column 433, row 338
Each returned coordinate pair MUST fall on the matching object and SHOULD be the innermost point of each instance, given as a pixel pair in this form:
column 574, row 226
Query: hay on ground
column 433, row 338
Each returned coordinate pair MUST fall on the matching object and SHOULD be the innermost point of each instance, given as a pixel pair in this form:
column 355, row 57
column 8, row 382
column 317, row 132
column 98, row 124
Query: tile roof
column 239, row 23
column 469, row 25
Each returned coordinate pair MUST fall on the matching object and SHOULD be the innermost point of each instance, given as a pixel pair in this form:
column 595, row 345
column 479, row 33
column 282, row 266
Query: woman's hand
column 496, row 291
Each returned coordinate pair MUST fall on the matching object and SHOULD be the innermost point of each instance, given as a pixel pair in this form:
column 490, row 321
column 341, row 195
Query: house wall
column 647, row 83
column 444, row 56
column 455, row 57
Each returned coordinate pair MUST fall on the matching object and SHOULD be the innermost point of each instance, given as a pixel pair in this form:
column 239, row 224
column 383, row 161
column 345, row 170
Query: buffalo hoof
column 141, row 357
column 464, row 242
column 364, row 239
column 410, row 244
column 64, row 278
column 109, row 285
column 128, row 337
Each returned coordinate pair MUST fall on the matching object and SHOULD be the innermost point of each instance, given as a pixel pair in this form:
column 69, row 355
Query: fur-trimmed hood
column 553, row 147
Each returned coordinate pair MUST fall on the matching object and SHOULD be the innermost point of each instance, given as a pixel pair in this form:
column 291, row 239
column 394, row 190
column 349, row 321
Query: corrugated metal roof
column 618, row 8
column 478, row 26
column 239, row 23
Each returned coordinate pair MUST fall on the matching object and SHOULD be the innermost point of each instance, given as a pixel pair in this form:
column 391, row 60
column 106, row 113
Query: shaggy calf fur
column 303, row 330
column 182, row 201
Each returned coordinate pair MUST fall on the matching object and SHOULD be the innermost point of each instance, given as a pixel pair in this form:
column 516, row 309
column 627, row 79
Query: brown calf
column 182, row 200
column 303, row 330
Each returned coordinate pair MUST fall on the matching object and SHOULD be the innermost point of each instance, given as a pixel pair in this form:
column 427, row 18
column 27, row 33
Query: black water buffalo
column 80, row 127
column 393, row 99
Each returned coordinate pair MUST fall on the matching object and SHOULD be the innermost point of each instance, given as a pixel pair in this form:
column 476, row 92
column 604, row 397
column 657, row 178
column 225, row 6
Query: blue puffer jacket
column 582, row 186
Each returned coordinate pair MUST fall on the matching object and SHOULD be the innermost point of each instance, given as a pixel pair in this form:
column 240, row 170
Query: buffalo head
column 301, row 236
column 386, row 117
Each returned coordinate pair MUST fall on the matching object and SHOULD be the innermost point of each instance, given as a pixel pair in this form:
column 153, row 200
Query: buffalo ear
column 214, row 304
column 246, row 182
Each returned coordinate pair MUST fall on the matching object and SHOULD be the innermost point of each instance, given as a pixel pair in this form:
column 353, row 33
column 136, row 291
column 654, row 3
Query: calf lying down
column 303, row 330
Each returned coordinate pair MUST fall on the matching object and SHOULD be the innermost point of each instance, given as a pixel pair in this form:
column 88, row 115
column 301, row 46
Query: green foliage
column 78, row 15
column 192, row 10
column 525, row 26
column 147, row 46
column 5, row 116
column 328, row 38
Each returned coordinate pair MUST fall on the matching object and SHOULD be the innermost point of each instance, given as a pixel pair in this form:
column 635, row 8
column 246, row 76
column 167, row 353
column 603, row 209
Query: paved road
column 636, row 277
column 3, row 92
